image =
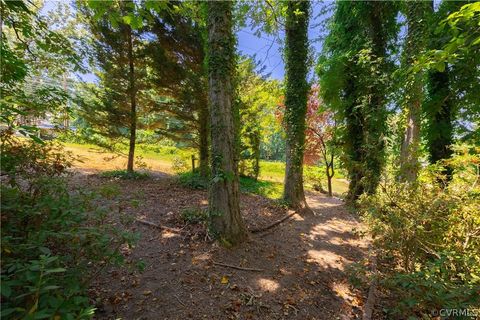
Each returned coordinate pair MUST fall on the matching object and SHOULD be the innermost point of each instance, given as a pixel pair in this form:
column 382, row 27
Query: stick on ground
column 272, row 224
column 235, row 267
column 158, row 226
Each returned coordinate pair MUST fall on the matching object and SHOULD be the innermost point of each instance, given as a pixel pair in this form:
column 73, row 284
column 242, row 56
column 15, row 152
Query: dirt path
column 303, row 261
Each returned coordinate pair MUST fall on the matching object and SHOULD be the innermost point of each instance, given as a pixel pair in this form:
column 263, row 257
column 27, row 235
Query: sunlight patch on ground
column 297, row 217
column 326, row 259
column 202, row 257
column 168, row 234
column 268, row 285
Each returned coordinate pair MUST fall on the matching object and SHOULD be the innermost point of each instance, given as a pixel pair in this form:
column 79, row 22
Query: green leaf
column 440, row 66
column 5, row 289
column 55, row 270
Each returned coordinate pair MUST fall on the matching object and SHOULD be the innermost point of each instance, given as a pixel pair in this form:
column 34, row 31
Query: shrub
column 194, row 215
column 428, row 239
column 53, row 240
column 193, row 180
column 180, row 165
column 313, row 177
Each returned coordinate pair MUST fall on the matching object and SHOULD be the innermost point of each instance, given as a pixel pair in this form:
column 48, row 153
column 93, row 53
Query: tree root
column 257, row 230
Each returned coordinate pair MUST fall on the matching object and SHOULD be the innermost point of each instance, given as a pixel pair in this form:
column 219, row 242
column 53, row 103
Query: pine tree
column 179, row 73
column 118, row 51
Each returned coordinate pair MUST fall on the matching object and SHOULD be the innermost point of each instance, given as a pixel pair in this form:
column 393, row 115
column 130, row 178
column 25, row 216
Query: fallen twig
column 272, row 224
column 180, row 301
column 159, row 226
column 235, row 267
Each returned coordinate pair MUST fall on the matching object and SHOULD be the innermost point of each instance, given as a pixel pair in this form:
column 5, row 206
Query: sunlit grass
column 269, row 184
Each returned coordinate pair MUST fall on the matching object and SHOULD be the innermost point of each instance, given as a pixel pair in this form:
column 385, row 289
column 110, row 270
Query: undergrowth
column 268, row 189
column 54, row 240
column 427, row 238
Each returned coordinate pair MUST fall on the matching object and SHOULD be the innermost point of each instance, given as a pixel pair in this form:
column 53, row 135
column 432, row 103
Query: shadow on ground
column 303, row 261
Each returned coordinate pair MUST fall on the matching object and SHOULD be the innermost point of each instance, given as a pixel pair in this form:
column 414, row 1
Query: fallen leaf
column 224, row 280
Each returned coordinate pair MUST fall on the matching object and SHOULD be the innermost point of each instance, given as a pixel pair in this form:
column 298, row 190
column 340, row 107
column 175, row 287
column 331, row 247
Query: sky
column 264, row 49
column 268, row 53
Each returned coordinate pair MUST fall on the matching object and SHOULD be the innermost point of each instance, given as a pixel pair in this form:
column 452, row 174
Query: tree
column 257, row 98
column 226, row 222
column 119, row 55
column 453, row 73
column 417, row 14
column 179, row 74
column 33, row 59
column 296, row 92
column 320, row 133
column 354, row 77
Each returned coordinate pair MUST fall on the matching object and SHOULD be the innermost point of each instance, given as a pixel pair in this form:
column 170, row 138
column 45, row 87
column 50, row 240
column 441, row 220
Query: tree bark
column 296, row 52
column 133, row 101
column 441, row 117
column 415, row 44
column 203, row 143
column 225, row 219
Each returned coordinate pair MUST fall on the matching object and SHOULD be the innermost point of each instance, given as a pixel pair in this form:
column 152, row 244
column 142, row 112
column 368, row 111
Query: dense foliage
column 393, row 106
column 54, row 241
column 428, row 238
column 354, row 75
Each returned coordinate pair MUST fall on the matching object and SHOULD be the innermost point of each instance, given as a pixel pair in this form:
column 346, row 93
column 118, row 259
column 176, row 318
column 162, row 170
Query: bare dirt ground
column 302, row 261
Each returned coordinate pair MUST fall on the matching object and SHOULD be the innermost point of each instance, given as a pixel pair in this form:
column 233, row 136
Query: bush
column 193, row 180
column 313, row 177
column 194, row 215
column 180, row 165
column 428, row 239
column 53, row 241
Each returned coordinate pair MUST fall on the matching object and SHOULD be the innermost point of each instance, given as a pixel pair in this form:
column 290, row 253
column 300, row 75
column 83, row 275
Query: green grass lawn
column 269, row 184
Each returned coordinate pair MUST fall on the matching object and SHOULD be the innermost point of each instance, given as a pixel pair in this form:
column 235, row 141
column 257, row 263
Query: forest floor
column 301, row 264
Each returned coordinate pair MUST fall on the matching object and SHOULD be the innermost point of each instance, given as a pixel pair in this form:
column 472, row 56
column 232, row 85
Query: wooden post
column 193, row 162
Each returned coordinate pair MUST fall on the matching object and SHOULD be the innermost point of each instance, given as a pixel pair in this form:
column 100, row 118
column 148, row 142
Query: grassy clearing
column 269, row 184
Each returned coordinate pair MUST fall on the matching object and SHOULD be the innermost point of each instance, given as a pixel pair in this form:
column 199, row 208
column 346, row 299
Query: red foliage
column 319, row 125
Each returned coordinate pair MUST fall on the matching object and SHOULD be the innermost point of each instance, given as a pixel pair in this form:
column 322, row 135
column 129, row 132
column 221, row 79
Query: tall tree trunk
column 415, row 43
column 375, row 113
column 133, row 101
column 203, row 137
column 296, row 52
column 440, row 115
column 439, row 106
column 226, row 222
column 354, row 141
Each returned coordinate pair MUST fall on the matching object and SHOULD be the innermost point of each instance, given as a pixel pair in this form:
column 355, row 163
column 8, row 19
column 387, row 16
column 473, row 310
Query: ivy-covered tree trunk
column 225, row 219
column 133, row 101
column 439, row 104
column 417, row 23
column 354, row 138
column 203, row 137
column 296, row 94
column 440, row 117
column 381, row 16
